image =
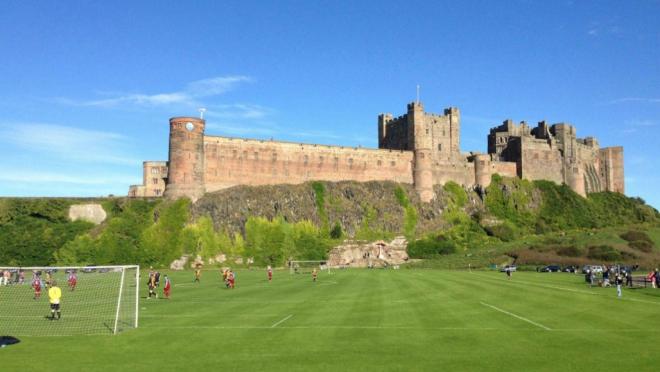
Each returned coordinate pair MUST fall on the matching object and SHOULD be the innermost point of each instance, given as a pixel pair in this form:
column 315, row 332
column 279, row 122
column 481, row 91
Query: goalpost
column 303, row 267
column 95, row 300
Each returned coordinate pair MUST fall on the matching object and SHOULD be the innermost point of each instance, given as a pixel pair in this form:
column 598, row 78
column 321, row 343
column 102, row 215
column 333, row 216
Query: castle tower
column 383, row 120
column 482, row 172
column 186, row 158
column 421, row 146
column 454, row 129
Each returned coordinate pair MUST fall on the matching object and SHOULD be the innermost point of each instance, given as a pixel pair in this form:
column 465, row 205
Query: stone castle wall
column 234, row 161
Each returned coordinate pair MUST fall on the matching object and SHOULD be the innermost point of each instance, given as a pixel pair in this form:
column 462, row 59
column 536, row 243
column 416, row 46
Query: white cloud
column 69, row 143
column 188, row 96
column 634, row 125
column 238, row 110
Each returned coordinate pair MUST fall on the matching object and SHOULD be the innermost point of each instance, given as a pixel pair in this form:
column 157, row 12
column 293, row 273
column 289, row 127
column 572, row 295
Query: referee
column 54, row 295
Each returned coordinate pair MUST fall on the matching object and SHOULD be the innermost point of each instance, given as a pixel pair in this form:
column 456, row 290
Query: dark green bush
column 336, row 232
column 430, row 247
column 505, row 232
column 604, row 252
column 633, row 235
column 641, row 245
column 570, row 251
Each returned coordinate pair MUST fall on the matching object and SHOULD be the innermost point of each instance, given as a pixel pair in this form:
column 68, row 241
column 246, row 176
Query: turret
column 383, row 121
column 421, row 140
column 186, row 158
column 482, row 172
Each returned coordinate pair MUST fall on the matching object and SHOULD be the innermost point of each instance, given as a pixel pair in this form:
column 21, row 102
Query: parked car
column 570, row 269
column 592, row 268
column 508, row 267
column 551, row 269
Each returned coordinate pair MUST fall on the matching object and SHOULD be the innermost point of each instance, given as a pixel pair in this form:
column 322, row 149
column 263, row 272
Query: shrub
column 570, row 251
column 505, row 232
column 604, row 252
column 430, row 247
column 633, row 235
column 336, row 232
column 641, row 245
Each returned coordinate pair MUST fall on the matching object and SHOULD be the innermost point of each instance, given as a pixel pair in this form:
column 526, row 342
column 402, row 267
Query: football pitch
column 359, row 320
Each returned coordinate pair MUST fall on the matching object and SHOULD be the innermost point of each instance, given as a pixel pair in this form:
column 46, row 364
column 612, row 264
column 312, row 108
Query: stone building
column 419, row 148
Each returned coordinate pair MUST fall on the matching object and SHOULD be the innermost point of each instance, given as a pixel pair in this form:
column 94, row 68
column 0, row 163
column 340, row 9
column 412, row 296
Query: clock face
column 190, row 126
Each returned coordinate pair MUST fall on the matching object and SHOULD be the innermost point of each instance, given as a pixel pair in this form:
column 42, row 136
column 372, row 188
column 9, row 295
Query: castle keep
column 418, row 148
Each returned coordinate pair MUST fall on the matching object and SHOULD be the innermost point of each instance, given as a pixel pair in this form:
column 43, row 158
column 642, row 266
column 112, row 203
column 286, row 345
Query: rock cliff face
column 369, row 254
column 351, row 204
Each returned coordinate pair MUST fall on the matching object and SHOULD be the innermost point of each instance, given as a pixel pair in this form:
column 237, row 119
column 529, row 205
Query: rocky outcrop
column 347, row 203
column 93, row 213
column 369, row 254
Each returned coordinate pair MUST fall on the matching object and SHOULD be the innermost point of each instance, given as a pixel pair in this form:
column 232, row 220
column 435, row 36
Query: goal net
column 304, row 267
column 94, row 300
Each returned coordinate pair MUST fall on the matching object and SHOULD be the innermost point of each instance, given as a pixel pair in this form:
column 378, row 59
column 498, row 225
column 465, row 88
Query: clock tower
column 186, row 159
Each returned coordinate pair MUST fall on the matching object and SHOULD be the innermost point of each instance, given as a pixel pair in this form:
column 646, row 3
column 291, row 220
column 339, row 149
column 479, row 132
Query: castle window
column 155, row 181
column 157, row 192
column 440, row 147
column 245, row 155
column 154, row 171
column 379, row 163
column 427, row 130
column 392, row 163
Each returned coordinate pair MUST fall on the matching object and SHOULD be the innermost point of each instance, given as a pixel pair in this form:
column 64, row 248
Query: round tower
column 186, row 158
column 423, row 174
column 482, row 173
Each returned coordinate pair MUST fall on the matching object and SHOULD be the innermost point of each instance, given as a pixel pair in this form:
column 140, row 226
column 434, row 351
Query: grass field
column 365, row 320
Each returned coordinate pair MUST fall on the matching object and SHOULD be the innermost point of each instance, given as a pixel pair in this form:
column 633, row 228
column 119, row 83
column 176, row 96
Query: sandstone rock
column 93, row 213
column 369, row 254
column 180, row 264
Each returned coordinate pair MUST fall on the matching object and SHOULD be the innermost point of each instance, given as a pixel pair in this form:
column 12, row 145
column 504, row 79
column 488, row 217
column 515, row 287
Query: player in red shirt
column 36, row 284
column 270, row 273
column 73, row 280
column 232, row 279
column 167, row 288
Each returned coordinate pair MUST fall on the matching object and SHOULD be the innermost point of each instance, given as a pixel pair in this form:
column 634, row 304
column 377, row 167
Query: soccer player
column 157, row 277
column 231, row 278
column 198, row 273
column 225, row 277
column 54, row 295
column 167, row 287
column 314, row 274
column 49, row 279
column 73, row 280
column 618, row 281
column 152, row 285
column 270, row 273
column 36, row 285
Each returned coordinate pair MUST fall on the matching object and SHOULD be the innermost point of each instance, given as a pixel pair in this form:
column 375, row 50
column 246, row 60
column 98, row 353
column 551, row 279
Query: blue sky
column 87, row 88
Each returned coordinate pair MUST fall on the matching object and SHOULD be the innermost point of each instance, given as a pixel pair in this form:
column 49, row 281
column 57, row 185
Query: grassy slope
column 369, row 320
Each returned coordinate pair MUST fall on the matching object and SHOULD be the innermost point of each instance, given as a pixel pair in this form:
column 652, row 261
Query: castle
column 418, row 148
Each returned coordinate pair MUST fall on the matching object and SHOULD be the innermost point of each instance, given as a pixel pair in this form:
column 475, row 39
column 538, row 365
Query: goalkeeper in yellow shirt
column 54, row 295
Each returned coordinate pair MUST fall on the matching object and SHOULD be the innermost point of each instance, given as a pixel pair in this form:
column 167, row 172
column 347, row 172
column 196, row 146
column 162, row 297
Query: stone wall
column 233, row 161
